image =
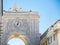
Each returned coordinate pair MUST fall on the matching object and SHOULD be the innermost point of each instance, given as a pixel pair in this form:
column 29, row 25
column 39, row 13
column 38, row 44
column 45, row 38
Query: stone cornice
column 21, row 15
column 24, row 17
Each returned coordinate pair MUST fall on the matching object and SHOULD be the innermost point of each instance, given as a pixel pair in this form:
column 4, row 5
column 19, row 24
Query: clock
column 17, row 24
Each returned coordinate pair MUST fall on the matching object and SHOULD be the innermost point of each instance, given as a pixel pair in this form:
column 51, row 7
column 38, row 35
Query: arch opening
column 16, row 41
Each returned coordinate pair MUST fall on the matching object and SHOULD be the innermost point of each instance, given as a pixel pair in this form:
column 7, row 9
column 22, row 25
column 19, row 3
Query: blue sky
column 49, row 10
column 14, row 41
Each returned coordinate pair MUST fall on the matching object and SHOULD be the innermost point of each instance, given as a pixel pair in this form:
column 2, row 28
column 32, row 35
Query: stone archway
column 20, row 24
column 18, row 35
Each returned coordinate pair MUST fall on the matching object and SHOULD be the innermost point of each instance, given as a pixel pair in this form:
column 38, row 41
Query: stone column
column 1, row 13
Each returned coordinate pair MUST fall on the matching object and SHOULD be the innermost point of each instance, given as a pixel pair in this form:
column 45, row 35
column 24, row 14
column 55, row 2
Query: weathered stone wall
column 27, row 25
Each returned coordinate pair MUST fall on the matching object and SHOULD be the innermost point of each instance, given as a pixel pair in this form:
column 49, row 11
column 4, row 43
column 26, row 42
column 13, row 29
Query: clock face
column 17, row 24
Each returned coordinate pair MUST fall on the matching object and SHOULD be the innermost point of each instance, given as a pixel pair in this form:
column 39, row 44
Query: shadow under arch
column 18, row 35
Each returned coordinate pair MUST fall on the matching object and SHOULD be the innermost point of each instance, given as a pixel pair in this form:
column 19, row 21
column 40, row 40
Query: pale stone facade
column 21, row 24
column 52, row 35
